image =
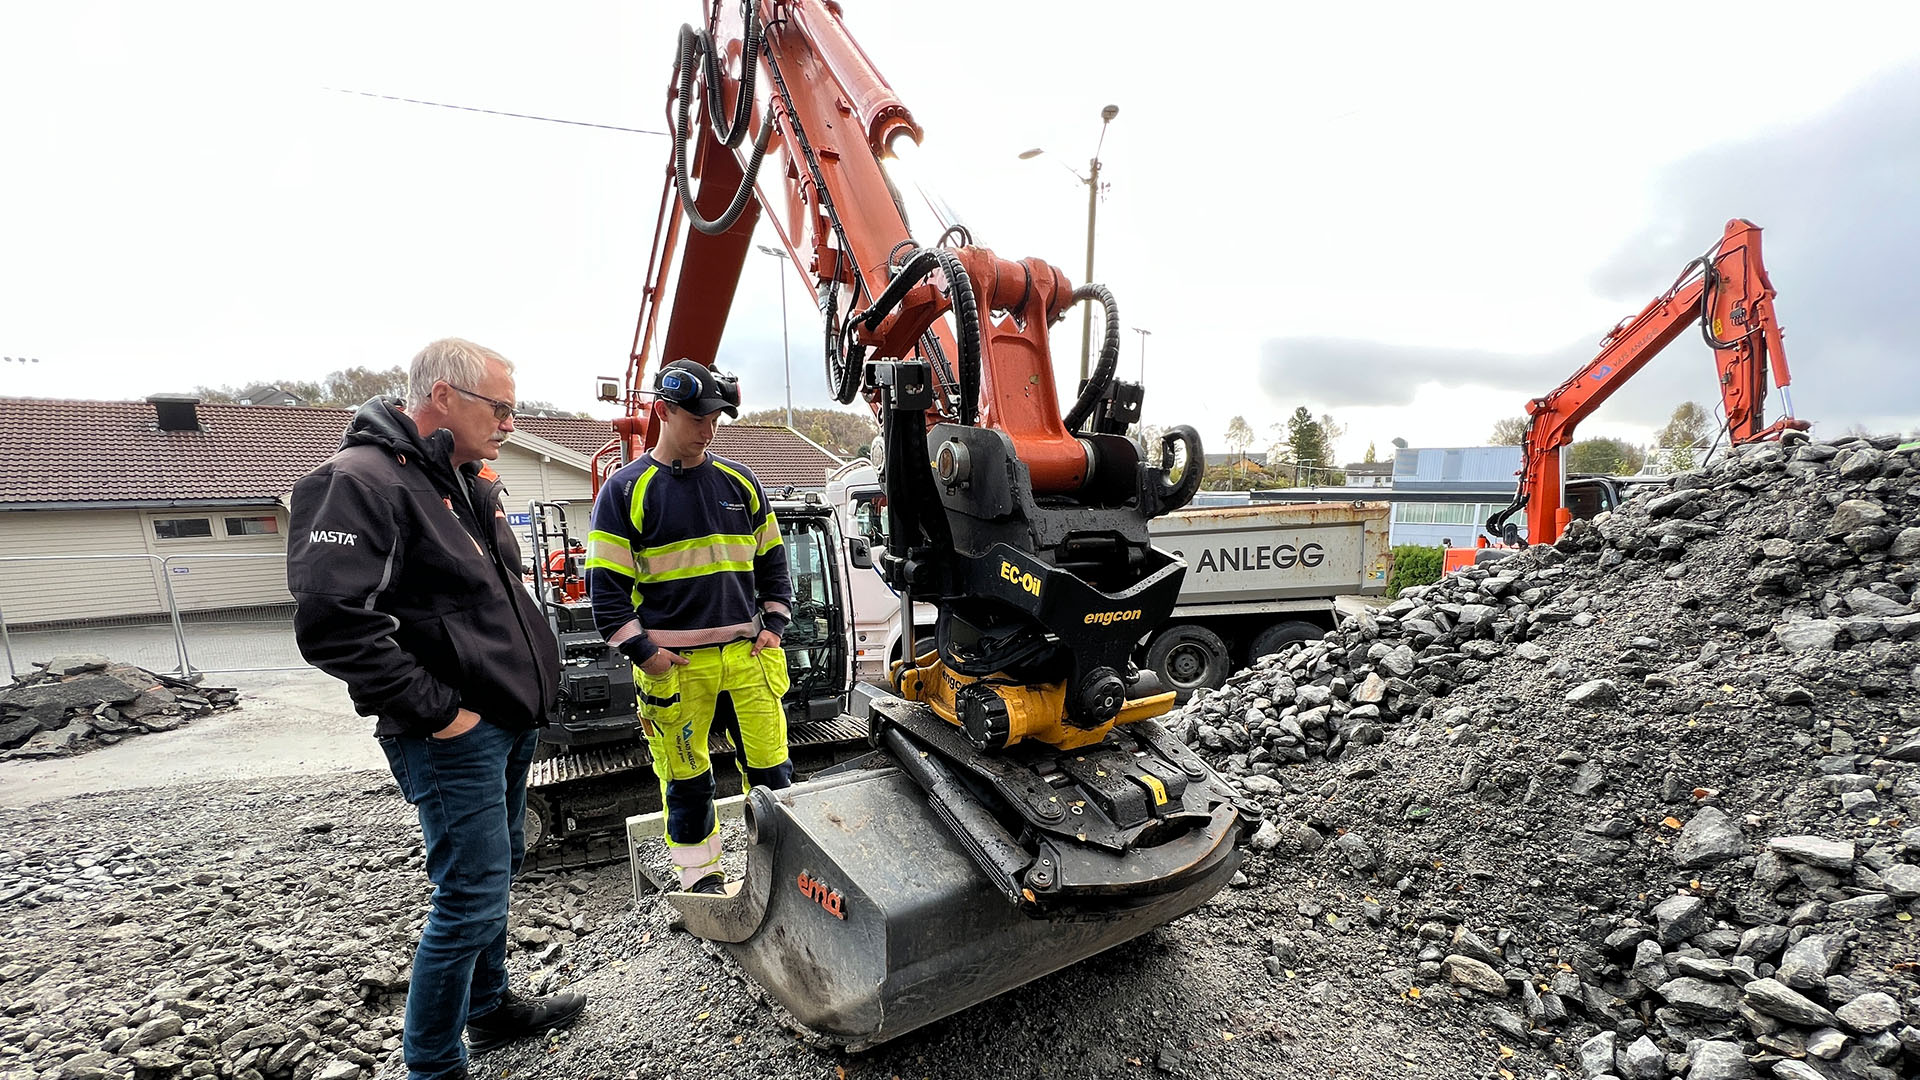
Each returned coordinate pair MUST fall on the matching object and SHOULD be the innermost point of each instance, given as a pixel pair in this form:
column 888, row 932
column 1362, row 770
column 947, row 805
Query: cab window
column 870, row 516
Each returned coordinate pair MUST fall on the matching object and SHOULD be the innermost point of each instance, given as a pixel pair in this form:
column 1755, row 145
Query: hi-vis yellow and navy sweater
column 677, row 559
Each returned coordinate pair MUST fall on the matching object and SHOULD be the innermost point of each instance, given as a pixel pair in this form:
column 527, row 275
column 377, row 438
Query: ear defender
column 678, row 387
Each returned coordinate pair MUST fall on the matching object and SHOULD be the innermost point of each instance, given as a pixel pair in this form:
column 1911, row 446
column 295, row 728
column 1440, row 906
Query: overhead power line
column 495, row 112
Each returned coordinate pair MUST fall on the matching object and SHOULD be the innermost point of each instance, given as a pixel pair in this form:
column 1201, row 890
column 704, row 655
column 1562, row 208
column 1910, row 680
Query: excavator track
column 600, row 787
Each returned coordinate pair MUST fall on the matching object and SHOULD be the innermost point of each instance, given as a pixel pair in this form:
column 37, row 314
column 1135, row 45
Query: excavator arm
column 1023, row 809
column 1728, row 294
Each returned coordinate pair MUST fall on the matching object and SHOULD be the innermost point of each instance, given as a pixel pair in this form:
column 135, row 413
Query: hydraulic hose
column 966, row 316
column 843, row 378
column 1180, row 494
column 966, row 319
column 1498, row 528
column 735, row 128
column 1096, row 387
column 690, row 43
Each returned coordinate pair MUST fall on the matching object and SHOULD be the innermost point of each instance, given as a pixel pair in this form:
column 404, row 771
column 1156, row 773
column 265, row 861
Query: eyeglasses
column 502, row 410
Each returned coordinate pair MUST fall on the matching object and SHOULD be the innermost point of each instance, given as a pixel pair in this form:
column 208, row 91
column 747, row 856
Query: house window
column 181, row 528
column 253, row 526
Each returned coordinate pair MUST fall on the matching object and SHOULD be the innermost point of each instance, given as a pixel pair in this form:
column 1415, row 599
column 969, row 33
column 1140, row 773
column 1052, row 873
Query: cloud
column 1344, row 373
column 1835, row 196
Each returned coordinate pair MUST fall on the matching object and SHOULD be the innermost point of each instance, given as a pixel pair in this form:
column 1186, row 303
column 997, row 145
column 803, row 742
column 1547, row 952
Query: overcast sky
column 1415, row 217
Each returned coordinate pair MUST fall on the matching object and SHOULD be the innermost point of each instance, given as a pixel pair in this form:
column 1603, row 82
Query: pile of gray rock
column 246, row 932
column 76, row 703
column 1643, row 800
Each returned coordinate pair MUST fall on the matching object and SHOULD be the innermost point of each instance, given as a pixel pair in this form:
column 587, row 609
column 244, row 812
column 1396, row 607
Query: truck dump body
column 1256, row 553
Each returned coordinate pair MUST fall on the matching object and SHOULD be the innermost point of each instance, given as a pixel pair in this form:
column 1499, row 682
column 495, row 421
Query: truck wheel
column 1189, row 657
column 1280, row 635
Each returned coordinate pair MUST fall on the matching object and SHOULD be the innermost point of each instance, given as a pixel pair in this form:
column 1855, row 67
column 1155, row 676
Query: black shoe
column 516, row 1019
column 714, row 884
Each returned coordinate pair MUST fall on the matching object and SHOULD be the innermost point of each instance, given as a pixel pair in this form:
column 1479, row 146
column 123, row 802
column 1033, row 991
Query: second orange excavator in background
column 1728, row 291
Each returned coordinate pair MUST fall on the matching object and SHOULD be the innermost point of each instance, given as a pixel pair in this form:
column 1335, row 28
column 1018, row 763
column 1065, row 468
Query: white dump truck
column 1258, row 578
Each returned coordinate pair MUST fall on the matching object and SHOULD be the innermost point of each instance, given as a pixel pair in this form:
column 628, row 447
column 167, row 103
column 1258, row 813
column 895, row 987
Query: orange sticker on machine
column 823, row 894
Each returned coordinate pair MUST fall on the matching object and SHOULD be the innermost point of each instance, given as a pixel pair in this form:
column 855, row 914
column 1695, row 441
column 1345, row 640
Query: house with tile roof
column 267, row 394
column 106, row 507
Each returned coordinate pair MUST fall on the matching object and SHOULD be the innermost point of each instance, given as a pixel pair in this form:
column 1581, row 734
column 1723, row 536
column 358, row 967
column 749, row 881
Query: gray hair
column 455, row 361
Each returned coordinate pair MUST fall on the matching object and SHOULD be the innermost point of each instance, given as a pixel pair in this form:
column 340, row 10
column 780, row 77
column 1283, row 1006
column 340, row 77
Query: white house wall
column 56, row 585
column 53, row 586
column 203, row 580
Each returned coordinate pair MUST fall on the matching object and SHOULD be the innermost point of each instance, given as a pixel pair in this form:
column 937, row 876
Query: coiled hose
column 1096, row 387
column 692, row 42
column 736, row 125
column 966, row 319
column 919, row 265
column 1174, row 497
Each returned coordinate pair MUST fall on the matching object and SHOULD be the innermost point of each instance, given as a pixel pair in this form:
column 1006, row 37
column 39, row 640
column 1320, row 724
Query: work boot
column 516, row 1019
column 714, row 884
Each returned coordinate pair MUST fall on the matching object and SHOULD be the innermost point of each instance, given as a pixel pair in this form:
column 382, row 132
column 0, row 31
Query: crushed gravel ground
column 1642, row 804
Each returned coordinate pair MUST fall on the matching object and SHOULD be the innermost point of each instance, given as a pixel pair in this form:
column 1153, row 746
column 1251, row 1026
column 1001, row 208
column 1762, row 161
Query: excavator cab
column 593, row 771
column 1587, row 497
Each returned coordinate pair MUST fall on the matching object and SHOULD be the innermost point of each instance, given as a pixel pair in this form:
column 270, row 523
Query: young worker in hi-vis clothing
column 689, row 579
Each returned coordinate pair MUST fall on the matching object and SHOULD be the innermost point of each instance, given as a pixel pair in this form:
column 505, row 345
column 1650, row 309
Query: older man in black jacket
column 407, row 583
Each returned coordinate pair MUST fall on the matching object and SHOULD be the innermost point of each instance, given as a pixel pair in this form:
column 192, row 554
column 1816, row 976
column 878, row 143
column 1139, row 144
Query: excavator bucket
column 866, row 912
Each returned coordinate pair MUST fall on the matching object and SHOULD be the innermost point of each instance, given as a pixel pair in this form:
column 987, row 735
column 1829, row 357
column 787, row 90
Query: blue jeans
column 471, row 794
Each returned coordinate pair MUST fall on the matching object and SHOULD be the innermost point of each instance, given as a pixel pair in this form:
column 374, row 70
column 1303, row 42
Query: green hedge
column 1413, row 565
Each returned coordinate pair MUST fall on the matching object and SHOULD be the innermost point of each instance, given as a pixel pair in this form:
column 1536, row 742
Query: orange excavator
column 1021, row 808
column 1728, row 292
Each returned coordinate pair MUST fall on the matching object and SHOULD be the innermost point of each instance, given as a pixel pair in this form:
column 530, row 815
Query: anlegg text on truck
column 1262, row 557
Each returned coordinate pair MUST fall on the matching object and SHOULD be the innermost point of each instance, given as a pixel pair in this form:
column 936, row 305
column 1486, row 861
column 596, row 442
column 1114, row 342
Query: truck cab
column 860, row 503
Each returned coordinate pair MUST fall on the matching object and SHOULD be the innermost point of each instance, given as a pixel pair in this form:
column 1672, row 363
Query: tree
column 841, row 432
column 1307, row 439
column 1605, row 456
column 537, row 407
column 1239, row 437
column 1371, row 457
column 1509, row 432
column 345, row 389
column 350, row 387
column 1686, row 429
column 1330, row 433
column 1149, row 438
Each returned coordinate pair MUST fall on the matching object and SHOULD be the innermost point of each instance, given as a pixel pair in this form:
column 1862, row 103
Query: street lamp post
column 785, row 351
column 1092, row 180
column 1144, row 334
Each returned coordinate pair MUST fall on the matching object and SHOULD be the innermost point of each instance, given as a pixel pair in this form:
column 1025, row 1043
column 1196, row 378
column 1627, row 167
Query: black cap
column 698, row 388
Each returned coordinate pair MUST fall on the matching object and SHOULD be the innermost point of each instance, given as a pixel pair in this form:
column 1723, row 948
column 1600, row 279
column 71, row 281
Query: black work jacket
column 406, row 579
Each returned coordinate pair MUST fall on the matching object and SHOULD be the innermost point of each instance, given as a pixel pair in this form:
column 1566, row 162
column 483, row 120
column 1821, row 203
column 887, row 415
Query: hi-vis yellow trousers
column 677, row 711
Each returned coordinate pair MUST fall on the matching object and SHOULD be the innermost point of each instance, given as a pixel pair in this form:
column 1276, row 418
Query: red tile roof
column 55, row 451
column 776, row 455
column 580, row 436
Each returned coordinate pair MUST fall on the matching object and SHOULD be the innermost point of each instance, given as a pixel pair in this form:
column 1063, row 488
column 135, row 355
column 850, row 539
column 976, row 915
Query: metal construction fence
column 205, row 613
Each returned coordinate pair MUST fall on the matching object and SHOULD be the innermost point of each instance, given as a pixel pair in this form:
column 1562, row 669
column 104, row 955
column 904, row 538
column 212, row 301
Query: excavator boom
column 1728, row 294
column 1022, row 809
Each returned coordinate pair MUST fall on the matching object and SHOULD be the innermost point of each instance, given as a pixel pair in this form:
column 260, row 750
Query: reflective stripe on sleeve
column 606, row 551
column 768, row 535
